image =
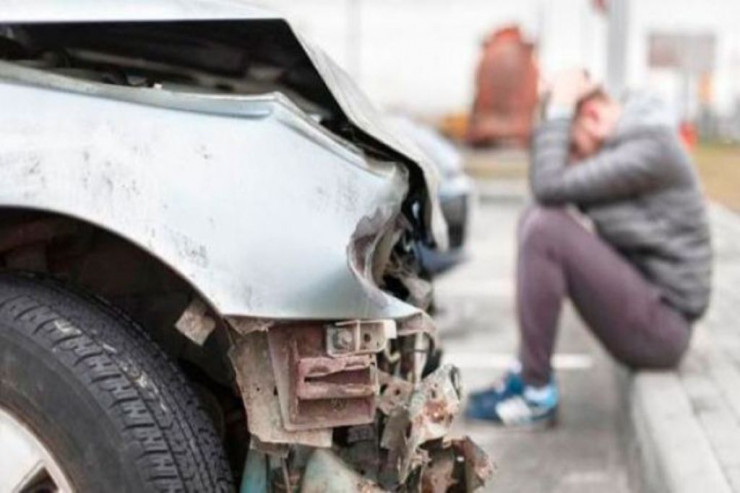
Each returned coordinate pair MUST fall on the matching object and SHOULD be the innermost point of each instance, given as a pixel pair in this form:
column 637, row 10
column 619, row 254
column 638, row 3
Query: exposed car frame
column 455, row 193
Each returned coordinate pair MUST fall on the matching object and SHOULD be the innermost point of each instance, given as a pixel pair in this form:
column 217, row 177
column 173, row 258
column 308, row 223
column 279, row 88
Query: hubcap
column 26, row 465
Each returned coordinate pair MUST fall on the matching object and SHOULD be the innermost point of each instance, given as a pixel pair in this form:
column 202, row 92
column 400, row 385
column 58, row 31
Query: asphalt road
column 584, row 453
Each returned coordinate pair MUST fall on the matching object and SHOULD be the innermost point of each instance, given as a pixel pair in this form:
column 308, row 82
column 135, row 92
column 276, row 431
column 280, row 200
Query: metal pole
column 616, row 71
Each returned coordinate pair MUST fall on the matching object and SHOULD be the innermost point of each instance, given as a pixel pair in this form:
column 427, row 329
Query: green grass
column 718, row 166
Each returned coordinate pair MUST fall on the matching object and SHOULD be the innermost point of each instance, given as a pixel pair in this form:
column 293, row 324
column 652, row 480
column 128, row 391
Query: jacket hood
column 642, row 109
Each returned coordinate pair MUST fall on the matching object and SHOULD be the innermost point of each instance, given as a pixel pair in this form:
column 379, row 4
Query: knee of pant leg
column 671, row 358
column 668, row 358
column 541, row 225
column 665, row 363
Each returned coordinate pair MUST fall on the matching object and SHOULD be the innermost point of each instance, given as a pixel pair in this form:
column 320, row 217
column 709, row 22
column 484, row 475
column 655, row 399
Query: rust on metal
column 458, row 465
column 247, row 325
column 439, row 474
column 427, row 416
column 359, row 337
column 334, row 378
column 478, row 467
column 394, row 393
column 316, row 390
column 250, row 357
column 296, row 393
column 278, row 450
column 327, row 473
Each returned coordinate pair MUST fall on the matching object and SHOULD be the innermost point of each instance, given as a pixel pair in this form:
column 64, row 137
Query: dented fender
column 247, row 198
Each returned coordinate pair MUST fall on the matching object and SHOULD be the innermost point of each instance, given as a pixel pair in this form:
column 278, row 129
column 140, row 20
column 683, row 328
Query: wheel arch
column 79, row 252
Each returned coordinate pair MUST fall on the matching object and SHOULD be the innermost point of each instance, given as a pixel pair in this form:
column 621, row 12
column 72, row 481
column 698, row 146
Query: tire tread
column 136, row 384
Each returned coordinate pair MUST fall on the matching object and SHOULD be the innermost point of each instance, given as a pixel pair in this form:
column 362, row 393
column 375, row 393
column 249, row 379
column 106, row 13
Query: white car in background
column 456, row 193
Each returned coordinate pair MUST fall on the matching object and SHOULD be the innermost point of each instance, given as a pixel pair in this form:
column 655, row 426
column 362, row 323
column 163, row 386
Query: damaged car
column 209, row 279
column 456, row 193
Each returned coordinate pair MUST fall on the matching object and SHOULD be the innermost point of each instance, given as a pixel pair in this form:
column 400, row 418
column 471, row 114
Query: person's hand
column 568, row 87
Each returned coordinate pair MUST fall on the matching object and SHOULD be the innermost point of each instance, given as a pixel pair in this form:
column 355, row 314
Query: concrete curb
column 675, row 454
column 685, row 425
column 681, row 428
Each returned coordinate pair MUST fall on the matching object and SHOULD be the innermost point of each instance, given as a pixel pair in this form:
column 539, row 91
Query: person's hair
column 598, row 94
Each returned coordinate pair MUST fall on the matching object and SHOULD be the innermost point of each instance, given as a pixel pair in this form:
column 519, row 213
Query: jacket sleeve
column 630, row 167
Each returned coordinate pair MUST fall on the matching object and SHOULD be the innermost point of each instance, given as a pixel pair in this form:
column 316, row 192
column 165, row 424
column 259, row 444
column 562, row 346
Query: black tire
column 110, row 406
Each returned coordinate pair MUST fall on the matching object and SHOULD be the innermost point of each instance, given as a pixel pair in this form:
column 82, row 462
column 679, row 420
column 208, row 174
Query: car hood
column 367, row 119
column 320, row 80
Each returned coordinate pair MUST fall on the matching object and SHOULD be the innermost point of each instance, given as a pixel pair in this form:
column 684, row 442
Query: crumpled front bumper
column 325, row 412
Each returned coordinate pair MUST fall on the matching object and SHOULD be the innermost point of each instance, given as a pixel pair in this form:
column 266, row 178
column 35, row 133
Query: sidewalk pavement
column 687, row 423
column 618, row 431
column 477, row 323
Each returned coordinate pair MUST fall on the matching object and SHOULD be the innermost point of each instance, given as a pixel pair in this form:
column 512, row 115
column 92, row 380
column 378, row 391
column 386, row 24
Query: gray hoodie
column 642, row 194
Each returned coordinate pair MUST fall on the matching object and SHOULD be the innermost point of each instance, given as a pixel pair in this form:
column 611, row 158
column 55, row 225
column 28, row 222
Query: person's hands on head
column 565, row 88
column 572, row 93
column 595, row 120
column 568, row 87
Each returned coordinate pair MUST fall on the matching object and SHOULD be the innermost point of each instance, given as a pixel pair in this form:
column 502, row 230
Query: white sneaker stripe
column 514, row 411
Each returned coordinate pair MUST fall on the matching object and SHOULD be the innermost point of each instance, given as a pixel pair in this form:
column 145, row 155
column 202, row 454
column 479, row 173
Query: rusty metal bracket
column 316, row 390
column 359, row 337
column 394, row 393
column 250, row 357
column 427, row 416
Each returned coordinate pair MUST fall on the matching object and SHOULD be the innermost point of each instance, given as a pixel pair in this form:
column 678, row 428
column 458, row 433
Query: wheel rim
column 26, row 465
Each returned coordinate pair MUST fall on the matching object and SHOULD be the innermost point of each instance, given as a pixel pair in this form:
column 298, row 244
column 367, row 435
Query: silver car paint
column 342, row 88
column 245, row 197
column 363, row 114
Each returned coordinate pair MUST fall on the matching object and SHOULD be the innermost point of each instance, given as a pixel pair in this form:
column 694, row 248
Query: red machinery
column 506, row 95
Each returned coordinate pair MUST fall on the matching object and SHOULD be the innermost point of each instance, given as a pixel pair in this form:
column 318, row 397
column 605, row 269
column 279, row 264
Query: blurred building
column 421, row 55
column 689, row 52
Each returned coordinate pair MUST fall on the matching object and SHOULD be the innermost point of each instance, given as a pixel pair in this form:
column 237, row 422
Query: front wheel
column 89, row 403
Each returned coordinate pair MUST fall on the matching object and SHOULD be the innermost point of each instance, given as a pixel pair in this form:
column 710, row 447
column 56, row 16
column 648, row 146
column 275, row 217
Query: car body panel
column 283, row 219
column 363, row 114
column 255, row 206
column 330, row 77
column 456, row 192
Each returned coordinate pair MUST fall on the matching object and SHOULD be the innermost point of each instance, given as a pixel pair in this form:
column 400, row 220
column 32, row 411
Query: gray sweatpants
column 558, row 257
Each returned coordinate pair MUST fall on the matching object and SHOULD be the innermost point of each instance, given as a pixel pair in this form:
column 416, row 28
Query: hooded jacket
column 642, row 194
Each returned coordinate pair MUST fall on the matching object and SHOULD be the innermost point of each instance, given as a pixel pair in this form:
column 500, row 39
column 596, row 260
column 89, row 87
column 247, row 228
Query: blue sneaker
column 509, row 386
column 512, row 403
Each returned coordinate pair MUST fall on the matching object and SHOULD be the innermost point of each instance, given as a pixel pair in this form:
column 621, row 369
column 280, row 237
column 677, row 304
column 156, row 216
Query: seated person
column 641, row 280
